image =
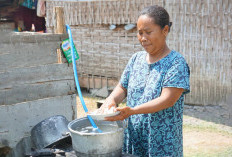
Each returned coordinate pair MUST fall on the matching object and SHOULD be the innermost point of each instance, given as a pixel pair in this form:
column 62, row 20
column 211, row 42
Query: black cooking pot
column 49, row 132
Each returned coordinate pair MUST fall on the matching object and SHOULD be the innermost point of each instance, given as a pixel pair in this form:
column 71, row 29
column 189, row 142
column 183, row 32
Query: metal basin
column 49, row 132
column 94, row 144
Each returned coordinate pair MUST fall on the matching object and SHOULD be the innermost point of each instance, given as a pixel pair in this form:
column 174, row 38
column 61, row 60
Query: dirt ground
column 206, row 139
column 200, row 138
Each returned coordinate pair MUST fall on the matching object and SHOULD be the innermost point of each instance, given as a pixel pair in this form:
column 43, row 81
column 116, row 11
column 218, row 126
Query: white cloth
column 41, row 9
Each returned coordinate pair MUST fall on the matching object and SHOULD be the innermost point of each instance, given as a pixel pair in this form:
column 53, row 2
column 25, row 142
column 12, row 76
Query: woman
column 154, row 82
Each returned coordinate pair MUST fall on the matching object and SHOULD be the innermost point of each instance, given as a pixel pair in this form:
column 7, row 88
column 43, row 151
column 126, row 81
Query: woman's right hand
column 116, row 97
column 107, row 105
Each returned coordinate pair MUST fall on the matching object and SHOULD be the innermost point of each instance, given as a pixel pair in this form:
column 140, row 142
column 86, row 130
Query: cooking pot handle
column 66, row 133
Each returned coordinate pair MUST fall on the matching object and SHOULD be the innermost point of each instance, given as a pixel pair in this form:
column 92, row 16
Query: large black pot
column 49, row 132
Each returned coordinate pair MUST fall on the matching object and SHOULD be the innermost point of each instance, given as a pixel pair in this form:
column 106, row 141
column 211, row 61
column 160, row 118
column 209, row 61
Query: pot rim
column 89, row 134
column 45, row 120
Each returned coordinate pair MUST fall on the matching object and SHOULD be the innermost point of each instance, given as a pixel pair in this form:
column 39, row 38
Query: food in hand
column 104, row 111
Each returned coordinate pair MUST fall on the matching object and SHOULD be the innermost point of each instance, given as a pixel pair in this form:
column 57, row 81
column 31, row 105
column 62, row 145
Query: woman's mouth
column 145, row 46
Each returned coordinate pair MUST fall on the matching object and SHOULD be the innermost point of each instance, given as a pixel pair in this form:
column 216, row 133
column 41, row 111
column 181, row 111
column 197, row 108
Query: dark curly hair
column 159, row 15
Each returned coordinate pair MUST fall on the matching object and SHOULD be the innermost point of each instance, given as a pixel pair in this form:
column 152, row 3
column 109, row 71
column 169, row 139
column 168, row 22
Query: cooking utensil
column 76, row 79
column 102, row 116
column 49, row 132
column 92, row 144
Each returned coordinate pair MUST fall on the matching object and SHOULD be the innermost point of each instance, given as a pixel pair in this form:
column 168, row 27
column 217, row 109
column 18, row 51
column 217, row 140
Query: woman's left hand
column 125, row 112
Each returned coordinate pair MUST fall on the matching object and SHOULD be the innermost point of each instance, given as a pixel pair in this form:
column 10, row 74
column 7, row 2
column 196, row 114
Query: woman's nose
column 143, row 38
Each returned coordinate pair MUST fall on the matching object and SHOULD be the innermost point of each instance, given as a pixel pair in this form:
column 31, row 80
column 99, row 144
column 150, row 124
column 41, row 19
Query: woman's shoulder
column 177, row 57
column 138, row 55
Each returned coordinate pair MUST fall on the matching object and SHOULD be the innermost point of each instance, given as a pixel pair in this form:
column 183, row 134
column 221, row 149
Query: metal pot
column 49, row 132
column 107, row 144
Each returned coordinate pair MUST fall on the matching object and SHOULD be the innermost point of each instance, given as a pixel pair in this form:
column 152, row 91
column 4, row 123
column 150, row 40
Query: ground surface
column 201, row 138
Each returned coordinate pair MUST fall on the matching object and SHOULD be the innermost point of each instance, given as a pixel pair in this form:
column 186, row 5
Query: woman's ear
column 165, row 30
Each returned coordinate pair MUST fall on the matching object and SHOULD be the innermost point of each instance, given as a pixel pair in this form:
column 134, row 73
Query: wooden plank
column 60, row 26
column 24, row 48
column 30, row 37
column 35, row 74
column 9, row 61
column 30, row 92
column 59, row 56
column 17, row 120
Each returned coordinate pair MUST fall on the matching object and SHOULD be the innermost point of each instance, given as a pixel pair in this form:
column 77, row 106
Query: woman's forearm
column 168, row 98
column 118, row 94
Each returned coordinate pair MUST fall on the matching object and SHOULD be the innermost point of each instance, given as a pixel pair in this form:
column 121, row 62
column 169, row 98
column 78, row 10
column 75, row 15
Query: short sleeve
column 126, row 73
column 178, row 75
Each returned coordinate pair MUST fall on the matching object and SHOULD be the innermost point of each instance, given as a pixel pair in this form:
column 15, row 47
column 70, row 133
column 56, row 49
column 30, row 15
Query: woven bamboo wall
column 102, row 51
column 98, row 12
column 201, row 32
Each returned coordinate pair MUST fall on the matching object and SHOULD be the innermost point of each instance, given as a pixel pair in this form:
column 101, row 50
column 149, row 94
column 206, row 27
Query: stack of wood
column 34, row 84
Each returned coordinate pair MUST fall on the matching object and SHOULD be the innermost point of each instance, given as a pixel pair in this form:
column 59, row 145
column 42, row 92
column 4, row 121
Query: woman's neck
column 163, row 52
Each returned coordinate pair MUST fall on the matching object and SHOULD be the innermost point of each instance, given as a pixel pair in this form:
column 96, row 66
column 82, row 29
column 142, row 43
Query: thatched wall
column 98, row 12
column 201, row 32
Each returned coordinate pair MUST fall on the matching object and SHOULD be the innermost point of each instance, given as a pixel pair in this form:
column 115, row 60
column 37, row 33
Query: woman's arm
column 118, row 94
column 168, row 98
column 116, row 97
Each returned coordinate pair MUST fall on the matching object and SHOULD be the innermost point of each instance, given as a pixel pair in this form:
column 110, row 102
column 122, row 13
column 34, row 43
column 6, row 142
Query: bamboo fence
column 201, row 31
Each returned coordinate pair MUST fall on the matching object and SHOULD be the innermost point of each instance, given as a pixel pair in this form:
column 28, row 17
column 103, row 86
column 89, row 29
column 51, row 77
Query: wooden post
column 60, row 26
column 59, row 57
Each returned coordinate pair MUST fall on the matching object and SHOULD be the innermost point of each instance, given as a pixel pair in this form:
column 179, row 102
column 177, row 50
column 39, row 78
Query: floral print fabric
column 156, row 134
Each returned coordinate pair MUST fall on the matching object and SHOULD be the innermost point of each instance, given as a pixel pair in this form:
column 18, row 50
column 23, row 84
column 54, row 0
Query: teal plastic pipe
column 68, row 29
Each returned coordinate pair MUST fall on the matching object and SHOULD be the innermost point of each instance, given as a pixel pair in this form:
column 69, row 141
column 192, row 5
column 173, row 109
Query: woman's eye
column 148, row 32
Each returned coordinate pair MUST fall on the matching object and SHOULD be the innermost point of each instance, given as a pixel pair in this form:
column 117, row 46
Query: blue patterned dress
column 157, row 134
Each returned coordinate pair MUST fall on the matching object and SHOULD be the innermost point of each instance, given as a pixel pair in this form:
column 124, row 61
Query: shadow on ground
column 216, row 114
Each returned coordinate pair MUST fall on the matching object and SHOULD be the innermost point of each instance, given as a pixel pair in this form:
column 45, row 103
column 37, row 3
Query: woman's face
column 150, row 35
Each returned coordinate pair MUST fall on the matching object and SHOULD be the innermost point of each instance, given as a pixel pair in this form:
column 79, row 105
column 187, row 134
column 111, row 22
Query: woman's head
column 153, row 26
column 159, row 15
